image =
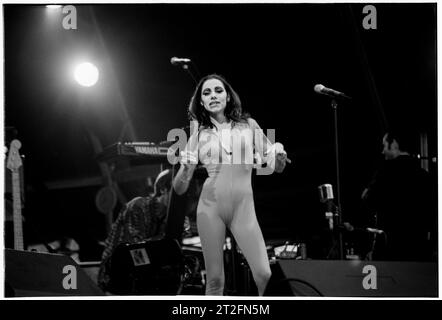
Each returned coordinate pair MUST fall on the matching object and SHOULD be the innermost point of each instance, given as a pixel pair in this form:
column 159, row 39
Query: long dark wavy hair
column 233, row 109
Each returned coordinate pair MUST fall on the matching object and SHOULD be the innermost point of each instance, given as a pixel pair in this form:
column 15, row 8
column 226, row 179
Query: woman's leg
column 212, row 232
column 248, row 235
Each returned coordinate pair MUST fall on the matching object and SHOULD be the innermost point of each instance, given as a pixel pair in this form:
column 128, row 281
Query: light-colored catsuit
column 226, row 199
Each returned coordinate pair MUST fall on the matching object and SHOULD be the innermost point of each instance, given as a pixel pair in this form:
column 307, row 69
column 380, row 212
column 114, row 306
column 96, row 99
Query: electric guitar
column 14, row 163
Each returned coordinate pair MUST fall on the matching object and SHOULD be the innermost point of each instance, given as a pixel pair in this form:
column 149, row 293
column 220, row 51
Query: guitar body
column 14, row 163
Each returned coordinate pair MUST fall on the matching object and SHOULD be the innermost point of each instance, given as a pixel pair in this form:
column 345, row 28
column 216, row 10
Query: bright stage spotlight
column 53, row 6
column 86, row 74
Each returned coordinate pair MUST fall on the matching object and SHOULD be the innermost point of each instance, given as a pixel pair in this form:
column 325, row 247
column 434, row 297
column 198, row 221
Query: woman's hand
column 281, row 157
column 189, row 159
column 280, row 153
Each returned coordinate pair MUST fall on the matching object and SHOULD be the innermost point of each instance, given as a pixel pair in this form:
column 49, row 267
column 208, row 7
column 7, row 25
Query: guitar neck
column 17, row 216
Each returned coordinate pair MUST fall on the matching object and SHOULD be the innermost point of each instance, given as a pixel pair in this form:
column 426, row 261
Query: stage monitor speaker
column 353, row 278
column 151, row 267
column 36, row 274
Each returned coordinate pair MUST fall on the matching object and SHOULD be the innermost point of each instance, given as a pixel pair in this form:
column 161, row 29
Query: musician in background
column 142, row 218
column 402, row 199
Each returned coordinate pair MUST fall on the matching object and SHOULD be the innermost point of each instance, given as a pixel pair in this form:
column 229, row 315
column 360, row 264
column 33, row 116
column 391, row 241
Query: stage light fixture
column 53, row 6
column 86, row 74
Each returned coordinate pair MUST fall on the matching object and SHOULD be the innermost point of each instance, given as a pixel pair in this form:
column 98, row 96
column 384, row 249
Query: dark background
column 272, row 54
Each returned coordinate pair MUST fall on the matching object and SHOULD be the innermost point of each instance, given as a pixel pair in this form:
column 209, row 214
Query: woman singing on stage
column 225, row 142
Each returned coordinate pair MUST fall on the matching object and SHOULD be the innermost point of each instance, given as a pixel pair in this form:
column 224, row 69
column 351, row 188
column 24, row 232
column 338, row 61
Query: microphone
column 373, row 230
column 319, row 88
column 325, row 192
column 348, row 227
column 179, row 61
column 326, row 197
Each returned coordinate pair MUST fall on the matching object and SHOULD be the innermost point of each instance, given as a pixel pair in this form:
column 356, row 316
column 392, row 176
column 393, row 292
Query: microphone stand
column 334, row 105
column 187, row 69
column 231, row 253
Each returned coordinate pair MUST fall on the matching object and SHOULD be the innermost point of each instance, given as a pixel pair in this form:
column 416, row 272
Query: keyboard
column 141, row 150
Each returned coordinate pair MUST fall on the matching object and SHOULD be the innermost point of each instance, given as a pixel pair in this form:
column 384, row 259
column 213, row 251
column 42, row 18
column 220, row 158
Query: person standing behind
column 142, row 218
column 402, row 198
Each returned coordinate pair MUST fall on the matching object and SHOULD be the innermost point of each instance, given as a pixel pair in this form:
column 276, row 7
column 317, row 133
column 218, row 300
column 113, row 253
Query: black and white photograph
column 198, row 150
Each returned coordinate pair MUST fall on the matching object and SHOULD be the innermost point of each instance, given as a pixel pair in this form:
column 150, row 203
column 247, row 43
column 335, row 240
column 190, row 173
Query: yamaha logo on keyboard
column 151, row 150
column 148, row 148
